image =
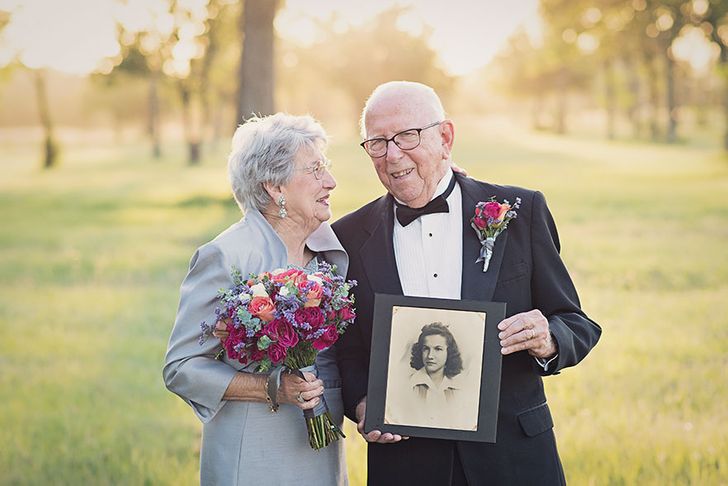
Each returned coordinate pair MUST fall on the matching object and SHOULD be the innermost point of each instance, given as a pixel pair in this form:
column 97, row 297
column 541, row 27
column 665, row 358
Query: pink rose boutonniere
column 491, row 219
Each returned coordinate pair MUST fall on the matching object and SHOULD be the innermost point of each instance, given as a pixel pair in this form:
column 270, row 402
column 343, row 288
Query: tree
column 256, row 76
column 352, row 62
column 715, row 13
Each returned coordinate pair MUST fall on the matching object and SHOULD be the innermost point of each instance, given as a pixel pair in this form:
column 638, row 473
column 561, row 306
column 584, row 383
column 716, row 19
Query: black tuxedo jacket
column 527, row 273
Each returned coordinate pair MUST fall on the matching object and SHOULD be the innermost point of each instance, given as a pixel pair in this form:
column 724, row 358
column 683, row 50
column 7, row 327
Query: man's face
column 411, row 176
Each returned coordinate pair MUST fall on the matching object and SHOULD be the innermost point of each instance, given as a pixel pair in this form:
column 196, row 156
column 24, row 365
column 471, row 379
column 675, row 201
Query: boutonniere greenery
column 491, row 219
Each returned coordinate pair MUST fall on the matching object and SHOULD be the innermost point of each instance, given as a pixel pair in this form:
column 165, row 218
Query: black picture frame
column 403, row 407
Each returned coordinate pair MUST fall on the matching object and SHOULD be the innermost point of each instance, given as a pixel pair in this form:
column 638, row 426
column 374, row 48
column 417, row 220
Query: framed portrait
column 435, row 368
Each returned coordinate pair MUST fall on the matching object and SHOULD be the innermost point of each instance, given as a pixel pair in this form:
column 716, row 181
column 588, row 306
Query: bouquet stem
column 322, row 430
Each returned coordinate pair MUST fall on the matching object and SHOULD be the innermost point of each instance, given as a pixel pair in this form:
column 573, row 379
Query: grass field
column 92, row 255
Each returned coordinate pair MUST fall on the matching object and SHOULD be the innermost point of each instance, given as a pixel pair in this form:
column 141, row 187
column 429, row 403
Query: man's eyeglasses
column 318, row 168
column 406, row 140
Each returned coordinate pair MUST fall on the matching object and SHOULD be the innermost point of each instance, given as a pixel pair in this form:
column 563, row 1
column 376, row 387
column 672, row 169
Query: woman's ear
column 273, row 191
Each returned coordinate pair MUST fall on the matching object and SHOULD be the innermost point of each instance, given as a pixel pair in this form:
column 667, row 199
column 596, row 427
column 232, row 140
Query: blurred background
column 115, row 122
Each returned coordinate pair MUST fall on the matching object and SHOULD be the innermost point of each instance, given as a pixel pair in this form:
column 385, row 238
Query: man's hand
column 374, row 435
column 527, row 331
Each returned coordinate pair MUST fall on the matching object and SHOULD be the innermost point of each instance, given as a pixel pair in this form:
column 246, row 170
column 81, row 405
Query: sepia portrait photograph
column 435, row 368
column 434, row 374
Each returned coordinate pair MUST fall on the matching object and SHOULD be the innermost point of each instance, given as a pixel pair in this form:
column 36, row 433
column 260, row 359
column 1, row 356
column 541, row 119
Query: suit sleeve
column 191, row 370
column 352, row 349
column 554, row 293
column 352, row 355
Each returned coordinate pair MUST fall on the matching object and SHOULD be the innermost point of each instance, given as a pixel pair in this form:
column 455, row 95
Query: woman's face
column 434, row 353
column 307, row 198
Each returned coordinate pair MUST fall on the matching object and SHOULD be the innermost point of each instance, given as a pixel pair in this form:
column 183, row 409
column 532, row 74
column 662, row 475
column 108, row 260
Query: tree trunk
column 610, row 96
column 256, row 74
column 560, row 118
column 50, row 147
column 724, row 70
column 633, row 84
column 205, row 68
column 153, row 114
column 654, row 97
column 671, row 135
column 536, row 112
column 189, row 123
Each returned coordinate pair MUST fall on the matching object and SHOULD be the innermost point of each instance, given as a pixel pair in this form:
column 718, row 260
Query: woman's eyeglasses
column 318, row 168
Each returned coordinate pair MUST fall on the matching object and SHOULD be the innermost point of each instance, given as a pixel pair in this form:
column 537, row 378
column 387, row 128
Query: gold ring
column 300, row 398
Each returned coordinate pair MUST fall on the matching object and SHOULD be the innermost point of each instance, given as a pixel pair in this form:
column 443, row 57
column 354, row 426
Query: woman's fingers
column 303, row 394
column 220, row 330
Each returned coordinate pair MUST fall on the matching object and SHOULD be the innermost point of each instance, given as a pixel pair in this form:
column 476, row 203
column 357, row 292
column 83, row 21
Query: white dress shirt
column 429, row 250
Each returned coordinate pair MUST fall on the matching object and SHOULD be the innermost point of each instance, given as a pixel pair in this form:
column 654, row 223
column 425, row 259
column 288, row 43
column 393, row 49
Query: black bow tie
column 406, row 214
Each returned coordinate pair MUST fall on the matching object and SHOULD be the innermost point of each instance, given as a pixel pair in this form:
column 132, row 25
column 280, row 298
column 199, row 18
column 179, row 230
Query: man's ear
column 447, row 134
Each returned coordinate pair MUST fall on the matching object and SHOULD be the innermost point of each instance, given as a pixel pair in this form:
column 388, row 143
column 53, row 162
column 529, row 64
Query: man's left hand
column 527, row 331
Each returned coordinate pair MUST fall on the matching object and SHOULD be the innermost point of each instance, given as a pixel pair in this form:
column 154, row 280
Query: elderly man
column 417, row 240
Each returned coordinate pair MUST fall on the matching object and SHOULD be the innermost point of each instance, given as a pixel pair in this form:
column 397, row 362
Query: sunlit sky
column 74, row 35
column 465, row 33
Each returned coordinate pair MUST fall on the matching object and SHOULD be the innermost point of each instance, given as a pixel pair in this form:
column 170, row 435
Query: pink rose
column 262, row 308
column 313, row 295
column 276, row 353
column 329, row 337
column 279, row 330
column 480, row 223
column 256, row 355
column 312, row 315
column 287, row 336
column 347, row 314
column 291, row 274
column 503, row 210
column 492, row 209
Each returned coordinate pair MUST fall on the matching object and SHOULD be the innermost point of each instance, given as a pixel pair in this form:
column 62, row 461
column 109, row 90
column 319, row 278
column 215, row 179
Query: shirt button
column 430, row 235
column 435, row 275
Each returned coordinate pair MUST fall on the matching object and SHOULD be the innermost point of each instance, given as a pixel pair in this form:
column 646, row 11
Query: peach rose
column 262, row 308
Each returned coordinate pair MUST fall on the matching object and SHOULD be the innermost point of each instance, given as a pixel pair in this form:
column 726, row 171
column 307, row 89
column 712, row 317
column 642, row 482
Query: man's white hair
column 423, row 93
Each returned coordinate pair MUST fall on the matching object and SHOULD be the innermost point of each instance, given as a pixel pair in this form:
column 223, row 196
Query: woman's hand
column 221, row 331
column 305, row 394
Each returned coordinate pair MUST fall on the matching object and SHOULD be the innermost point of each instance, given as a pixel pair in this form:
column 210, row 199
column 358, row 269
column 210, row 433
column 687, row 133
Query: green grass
column 92, row 255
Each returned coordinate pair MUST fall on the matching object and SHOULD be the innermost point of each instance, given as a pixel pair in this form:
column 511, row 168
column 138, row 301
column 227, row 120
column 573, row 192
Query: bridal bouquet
column 285, row 317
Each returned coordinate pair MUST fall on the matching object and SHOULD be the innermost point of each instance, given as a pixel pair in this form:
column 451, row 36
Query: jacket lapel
column 476, row 284
column 377, row 253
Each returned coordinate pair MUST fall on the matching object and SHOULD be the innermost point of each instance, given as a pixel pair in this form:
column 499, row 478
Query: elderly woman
column 281, row 182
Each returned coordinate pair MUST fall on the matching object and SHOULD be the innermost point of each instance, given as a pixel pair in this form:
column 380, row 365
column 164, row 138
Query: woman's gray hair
column 264, row 150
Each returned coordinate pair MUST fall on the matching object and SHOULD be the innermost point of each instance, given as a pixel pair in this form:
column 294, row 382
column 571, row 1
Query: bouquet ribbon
column 322, row 407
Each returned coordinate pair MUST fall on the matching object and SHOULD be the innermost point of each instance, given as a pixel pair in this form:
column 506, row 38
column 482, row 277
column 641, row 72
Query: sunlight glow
column 465, row 37
column 71, row 36
column 693, row 47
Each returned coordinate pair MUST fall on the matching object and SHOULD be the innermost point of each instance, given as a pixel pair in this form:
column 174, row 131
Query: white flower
column 277, row 271
column 244, row 298
column 316, row 279
column 259, row 290
column 284, row 291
